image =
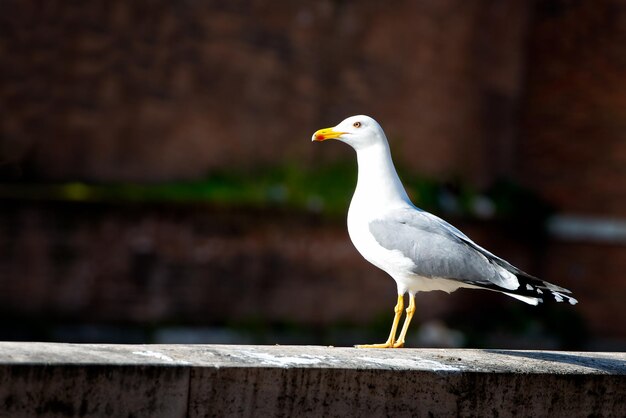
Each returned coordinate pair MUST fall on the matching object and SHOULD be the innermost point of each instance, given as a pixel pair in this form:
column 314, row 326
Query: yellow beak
column 324, row 134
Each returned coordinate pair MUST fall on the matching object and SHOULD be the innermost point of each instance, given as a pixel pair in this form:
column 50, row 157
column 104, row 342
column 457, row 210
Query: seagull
column 419, row 250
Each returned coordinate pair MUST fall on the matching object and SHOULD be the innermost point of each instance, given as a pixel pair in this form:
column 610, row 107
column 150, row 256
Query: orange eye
column 357, row 124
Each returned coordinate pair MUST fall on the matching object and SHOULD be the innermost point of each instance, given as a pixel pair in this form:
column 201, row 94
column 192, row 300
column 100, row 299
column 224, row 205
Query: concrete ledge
column 42, row 379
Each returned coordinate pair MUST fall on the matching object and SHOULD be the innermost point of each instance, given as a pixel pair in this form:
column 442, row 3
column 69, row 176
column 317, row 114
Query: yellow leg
column 407, row 320
column 394, row 328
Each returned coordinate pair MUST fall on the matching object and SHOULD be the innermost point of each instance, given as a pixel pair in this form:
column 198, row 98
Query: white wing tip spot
column 509, row 280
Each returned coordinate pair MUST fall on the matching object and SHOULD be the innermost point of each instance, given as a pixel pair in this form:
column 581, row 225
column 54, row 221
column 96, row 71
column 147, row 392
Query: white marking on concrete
column 160, row 356
column 410, row 363
column 282, row 361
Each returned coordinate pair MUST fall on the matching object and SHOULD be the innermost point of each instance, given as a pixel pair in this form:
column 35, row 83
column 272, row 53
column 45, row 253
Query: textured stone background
column 151, row 91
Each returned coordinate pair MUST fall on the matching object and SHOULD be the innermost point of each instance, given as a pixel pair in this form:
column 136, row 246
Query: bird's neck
column 378, row 184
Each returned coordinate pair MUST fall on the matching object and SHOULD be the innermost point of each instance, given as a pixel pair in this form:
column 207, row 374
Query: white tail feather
column 527, row 299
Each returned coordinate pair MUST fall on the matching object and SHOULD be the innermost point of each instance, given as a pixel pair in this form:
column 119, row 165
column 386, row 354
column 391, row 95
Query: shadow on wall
column 595, row 362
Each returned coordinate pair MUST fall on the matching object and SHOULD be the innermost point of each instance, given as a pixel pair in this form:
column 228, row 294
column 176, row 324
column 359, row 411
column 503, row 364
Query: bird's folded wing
column 439, row 250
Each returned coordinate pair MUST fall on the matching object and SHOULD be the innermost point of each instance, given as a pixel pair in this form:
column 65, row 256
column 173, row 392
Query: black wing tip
column 533, row 291
column 533, row 287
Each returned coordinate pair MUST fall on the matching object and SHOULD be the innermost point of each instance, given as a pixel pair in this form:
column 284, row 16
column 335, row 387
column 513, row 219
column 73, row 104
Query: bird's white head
column 357, row 131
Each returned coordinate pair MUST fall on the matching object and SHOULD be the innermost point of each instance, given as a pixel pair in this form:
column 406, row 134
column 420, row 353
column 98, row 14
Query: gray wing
column 434, row 224
column 438, row 250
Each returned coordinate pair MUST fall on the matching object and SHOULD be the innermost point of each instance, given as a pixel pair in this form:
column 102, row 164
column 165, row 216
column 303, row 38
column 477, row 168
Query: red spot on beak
column 319, row 137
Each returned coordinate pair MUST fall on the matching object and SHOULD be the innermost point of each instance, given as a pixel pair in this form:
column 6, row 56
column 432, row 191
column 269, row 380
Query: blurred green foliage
column 325, row 189
column 328, row 189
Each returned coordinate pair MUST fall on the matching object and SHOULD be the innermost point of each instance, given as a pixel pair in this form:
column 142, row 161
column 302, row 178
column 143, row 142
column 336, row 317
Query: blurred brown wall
column 574, row 132
column 573, row 152
column 157, row 90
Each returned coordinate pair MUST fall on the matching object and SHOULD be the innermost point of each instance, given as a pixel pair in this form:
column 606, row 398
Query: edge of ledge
column 275, row 356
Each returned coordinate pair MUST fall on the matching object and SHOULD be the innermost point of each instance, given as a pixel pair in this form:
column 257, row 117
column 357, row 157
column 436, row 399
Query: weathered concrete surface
column 206, row 380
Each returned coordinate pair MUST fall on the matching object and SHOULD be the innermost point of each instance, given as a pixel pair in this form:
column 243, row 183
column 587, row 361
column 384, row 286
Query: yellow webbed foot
column 388, row 344
column 392, row 342
column 394, row 327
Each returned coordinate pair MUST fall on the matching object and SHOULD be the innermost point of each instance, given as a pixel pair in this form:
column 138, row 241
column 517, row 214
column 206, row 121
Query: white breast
column 399, row 267
column 391, row 261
